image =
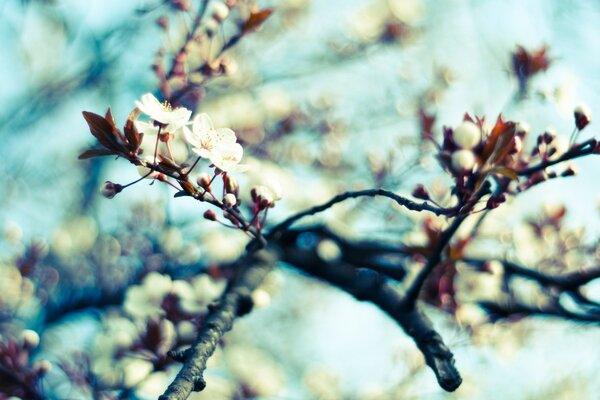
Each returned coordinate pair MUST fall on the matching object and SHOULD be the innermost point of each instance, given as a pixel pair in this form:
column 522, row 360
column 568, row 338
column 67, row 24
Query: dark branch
column 568, row 281
column 368, row 285
column 580, row 150
column 411, row 205
column 516, row 309
column 412, row 293
column 235, row 302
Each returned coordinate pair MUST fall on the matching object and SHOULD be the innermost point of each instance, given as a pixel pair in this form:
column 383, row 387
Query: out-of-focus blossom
column 163, row 113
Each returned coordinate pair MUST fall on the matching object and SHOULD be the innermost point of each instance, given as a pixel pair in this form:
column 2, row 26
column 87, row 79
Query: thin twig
column 411, row 205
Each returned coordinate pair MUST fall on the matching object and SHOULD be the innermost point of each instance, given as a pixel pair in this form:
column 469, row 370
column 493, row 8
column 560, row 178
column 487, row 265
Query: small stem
column 156, row 145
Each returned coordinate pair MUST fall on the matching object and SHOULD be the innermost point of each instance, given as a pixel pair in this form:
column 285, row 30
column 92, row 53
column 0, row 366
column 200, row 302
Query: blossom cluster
column 475, row 153
column 217, row 145
column 154, row 144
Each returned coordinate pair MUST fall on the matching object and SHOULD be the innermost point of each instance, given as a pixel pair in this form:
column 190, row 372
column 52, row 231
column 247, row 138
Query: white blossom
column 163, row 112
column 218, row 145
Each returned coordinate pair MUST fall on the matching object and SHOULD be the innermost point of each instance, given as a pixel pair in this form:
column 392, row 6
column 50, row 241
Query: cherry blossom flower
column 218, row 145
column 163, row 113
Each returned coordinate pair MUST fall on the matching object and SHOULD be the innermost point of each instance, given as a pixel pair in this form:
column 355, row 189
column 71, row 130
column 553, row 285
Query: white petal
column 202, row 124
column 226, row 135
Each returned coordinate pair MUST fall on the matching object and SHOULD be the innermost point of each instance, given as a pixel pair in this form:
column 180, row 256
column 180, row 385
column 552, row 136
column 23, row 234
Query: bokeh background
column 356, row 97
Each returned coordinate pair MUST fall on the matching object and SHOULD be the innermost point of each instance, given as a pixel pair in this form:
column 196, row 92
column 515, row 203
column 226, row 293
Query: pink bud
column 110, row 189
column 420, row 192
column 210, row 215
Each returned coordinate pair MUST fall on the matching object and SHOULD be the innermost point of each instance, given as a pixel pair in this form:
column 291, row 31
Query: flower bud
column 261, row 298
column 522, row 129
column 230, row 200
column 220, row 11
column 516, row 145
column 210, row 215
column 204, row 181
column 583, row 116
column 548, row 136
column 42, row 367
column 163, row 22
column 110, row 189
column 211, row 27
column 463, row 160
column 231, row 184
column 467, row 135
column 495, row 200
column 30, row 339
column 420, row 192
column 275, row 188
column 570, row 171
column 262, row 196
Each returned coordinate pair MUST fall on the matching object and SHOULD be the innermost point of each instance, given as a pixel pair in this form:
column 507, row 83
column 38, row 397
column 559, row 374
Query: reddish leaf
column 102, row 130
column 256, row 19
column 111, row 121
column 188, row 187
column 94, row 153
column 131, row 133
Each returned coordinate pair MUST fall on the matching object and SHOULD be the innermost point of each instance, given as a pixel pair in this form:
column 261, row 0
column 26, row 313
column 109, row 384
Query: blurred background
column 323, row 96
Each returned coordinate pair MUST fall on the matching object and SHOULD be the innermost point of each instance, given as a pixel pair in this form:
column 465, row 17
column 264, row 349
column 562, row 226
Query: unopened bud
column 522, row 129
column 110, row 189
column 548, row 136
column 42, row 367
column 163, row 22
column 495, row 200
column 30, row 339
column 583, row 116
column 467, row 135
column 210, row 215
column 181, row 5
column 463, row 160
column 231, row 184
column 420, row 192
column 204, row 181
column 211, row 27
column 516, row 145
column 266, row 201
column 220, row 11
column 230, row 200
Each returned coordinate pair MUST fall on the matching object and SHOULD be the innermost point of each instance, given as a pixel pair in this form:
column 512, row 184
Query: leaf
column 256, row 19
column 498, row 142
column 188, row 187
column 168, row 164
column 508, row 172
column 102, row 130
column 89, row 153
column 131, row 133
column 115, row 131
column 182, row 193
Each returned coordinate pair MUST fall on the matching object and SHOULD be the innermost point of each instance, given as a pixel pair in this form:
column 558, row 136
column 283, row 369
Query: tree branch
column 512, row 309
column 568, row 281
column 580, row 150
column 412, row 293
column 368, row 285
column 235, row 302
column 403, row 201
